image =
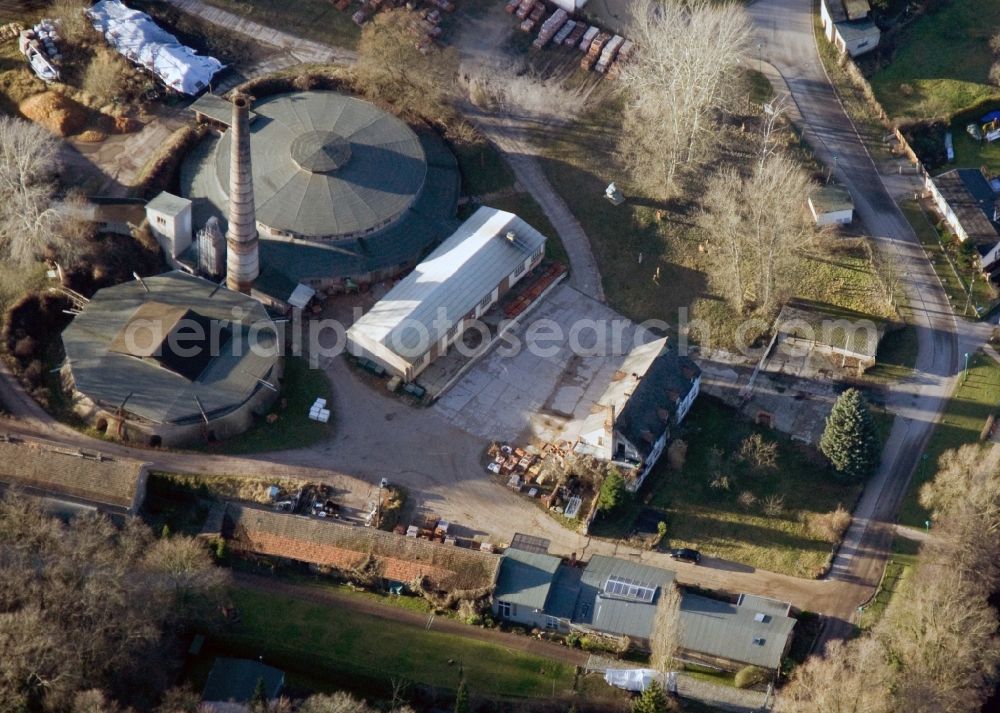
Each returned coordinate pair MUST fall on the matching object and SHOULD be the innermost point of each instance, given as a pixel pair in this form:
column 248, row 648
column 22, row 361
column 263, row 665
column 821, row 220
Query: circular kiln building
column 171, row 359
column 344, row 192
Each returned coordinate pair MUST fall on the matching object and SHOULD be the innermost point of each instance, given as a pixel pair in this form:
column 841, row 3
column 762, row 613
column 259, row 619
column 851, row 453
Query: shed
column 422, row 315
column 169, row 218
column 236, row 681
column 831, row 205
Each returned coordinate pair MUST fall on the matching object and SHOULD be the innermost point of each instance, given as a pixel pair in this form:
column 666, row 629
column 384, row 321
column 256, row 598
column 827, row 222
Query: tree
column 850, row 439
column 462, row 697
column 666, row 638
column 851, row 677
column 755, row 227
column 652, row 700
column 679, row 79
column 106, row 76
column 613, row 492
column 28, row 162
column 390, row 67
column 81, row 609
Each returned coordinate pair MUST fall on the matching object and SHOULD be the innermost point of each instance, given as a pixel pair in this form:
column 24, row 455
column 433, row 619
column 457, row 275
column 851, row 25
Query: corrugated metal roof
column 429, row 220
column 764, row 604
column 525, row 578
column 733, row 632
column 378, row 179
column 156, row 393
column 449, row 283
column 971, row 199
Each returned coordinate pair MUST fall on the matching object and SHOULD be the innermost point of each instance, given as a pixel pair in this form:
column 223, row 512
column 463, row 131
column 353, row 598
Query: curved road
column 785, row 29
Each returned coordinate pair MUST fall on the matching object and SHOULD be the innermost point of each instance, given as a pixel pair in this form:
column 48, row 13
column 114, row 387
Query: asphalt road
column 785, row 40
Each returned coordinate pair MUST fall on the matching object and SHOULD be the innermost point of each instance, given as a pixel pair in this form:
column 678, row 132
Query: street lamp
column 966, row 376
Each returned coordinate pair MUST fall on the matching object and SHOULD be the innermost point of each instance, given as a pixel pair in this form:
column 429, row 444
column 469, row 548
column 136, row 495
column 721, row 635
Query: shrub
column 750, row 676
column 746, row 500
column 573, row 640
column 613, row 492
column 829, row 526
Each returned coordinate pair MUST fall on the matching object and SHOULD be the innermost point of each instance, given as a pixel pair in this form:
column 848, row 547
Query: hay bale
column 57, row 113
column 91, row 136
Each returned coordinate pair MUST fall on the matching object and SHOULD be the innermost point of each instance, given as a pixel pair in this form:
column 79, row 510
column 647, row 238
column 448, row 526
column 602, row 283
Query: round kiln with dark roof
column 327, row 166
column 171, row 359
column 344, row 192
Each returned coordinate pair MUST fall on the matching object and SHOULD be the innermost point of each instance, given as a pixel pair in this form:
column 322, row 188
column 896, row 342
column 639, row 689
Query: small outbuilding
column 169, row 219
column 848, row 25
column 429, row 309
column 831, row 205
column 233, row 683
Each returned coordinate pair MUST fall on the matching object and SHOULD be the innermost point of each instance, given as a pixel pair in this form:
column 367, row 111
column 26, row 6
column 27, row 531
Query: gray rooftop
column 167, row 387
column 450, row 282
column 831, row 198
column 326, row 165
column 215, row 108
column 168, row 203
column 971, row 198
column 618, row 615
column 738, row 633
column 429, row 219
column 853, row 30
column 525, row 578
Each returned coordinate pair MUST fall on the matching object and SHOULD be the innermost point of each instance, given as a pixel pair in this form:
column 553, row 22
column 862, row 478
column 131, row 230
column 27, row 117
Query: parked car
column 686, row 554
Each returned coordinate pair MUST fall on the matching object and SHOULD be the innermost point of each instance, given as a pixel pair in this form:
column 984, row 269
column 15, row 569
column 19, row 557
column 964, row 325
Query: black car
column 686, row 554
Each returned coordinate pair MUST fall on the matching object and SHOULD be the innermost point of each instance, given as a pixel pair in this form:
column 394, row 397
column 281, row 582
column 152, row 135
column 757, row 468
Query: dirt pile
column 57, row 113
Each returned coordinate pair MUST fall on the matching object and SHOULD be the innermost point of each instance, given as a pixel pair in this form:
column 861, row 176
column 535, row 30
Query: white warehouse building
column 428, row 310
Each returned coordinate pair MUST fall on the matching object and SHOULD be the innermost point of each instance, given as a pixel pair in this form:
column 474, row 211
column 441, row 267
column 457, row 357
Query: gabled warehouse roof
column 750, row 634
column 449, row 283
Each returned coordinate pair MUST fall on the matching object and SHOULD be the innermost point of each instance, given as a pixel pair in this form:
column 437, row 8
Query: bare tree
column 689, row 53
column 850, row 677
column 667, row 632
column 755, row 226
column 28, row 222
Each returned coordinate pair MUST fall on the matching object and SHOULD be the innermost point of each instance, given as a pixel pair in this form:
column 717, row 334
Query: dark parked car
column 686, row 554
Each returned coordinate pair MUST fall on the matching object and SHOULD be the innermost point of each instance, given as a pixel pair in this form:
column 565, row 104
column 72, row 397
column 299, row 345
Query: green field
column 970, row 153
column 339, row 646
column 301, row 386
column 941, row 63
column 976, row 397
column 712, row 520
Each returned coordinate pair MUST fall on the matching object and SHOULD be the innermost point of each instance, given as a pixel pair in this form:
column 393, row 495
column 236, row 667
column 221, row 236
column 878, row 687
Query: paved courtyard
column 547, row 374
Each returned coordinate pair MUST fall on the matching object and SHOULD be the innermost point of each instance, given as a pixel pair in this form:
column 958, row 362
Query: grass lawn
column 895, row 574
column 712, row 520
column 896, row 356
column 975, row 398
column 669, row 244
column 316, row 20
column 483, row 169
column 941, row 61
column 303, row 637
column 970, row 153
column 293, row 429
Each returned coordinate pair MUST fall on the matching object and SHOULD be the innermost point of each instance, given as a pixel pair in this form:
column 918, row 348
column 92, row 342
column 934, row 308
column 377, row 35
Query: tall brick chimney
column 242, row 262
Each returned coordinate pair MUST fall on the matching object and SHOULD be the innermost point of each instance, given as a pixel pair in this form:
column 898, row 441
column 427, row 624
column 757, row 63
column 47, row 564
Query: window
column 629, row 589
column 160, row 220
column 519, row 270
column 537, row 254
column 504, row 610
column 551, row 622
column 484, row 303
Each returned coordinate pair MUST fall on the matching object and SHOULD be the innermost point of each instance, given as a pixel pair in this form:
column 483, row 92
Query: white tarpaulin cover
column 139, row 39
column 632, row 679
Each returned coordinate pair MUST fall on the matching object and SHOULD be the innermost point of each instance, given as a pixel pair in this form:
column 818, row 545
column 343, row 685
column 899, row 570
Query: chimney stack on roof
column 242, row 262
